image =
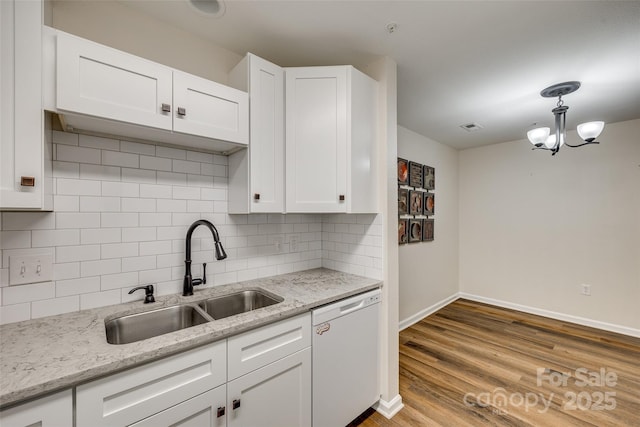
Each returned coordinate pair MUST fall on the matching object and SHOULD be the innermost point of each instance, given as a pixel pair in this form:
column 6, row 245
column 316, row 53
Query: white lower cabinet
column 275, row 395
column 204, row 410
column 130, row 396
column 55, row 410
column 258, row 378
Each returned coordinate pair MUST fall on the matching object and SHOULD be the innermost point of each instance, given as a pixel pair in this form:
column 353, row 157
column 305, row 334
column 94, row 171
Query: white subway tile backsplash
column 100, row 235
column 77, row 286
column 99, row 299
column 77, row 253
column 66, row 203
column 122, row 210
column 98, row 172
column 120, row 189
column 99, row 204
column 172, row 153
column 15, row 239
column 156, row 163
column 99, row 142
column 45, row 238
column 119, row 250
column 77, row 220
column 68, row 153
column 119, row 219
column 116, row 158
column 77, row 187
column 137, row 148
column 27, row 221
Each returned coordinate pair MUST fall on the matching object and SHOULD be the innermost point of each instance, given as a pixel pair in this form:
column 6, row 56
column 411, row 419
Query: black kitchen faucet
column 189, row 282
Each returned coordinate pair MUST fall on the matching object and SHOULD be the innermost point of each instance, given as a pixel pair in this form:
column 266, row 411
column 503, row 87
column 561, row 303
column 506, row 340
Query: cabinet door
column 99, row 81
column 205, row 410
column 21, row 117
column 316, row 139
column 276, row 395
column 266, row 86
column 132, row 395
column 55, row 410
column 208, row 109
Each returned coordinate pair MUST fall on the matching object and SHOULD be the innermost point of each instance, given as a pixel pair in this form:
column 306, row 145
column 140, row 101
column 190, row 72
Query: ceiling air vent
column 471, row 127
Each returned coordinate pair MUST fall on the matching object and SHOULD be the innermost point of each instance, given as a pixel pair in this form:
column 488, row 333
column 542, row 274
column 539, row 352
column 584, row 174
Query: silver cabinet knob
column 166, row 108
column 182, row 111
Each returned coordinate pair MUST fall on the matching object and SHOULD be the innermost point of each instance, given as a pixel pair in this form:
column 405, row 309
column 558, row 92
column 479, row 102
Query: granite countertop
column 56, row 352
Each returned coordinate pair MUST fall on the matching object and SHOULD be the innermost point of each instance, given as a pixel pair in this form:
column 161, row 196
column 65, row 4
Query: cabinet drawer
column 254, row 349
column 199, row 411
column 137, row 393
column 50, row 411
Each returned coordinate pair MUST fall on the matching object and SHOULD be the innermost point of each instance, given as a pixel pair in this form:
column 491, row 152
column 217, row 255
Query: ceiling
column 458, row 62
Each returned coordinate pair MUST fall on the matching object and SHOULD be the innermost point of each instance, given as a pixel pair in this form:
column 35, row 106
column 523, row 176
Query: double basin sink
column 140, row 326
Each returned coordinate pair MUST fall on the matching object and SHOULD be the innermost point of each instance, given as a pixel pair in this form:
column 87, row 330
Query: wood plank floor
column 472, row 364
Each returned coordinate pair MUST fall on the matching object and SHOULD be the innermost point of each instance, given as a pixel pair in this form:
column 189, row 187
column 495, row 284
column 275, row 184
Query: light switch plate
column 30, row 268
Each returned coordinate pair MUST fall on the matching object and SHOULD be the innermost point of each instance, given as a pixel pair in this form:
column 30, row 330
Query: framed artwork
column 415, row 202
column 403, row 172
column 415, row 230
column 415, row 174
column 429, row 205
column 427, row 230
column 403, row 201
column 429, row 177
column 403, row 231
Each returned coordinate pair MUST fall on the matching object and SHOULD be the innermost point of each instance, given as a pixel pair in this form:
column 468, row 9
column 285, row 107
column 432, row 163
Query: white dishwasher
column 345, row 359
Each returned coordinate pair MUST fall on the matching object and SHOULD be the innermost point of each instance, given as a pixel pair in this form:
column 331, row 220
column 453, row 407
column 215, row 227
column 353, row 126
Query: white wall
column 429, row 270
column 533, row 228
column 121, row 27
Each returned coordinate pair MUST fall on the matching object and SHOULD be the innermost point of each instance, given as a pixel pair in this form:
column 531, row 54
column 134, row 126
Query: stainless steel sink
column 136, row 327
column 239, row 302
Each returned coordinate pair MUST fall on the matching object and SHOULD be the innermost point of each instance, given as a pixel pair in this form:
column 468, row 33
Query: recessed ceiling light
column 211, row 8
column 471, row 127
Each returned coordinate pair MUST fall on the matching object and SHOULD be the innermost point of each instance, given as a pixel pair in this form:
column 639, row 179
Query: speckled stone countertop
column 43, row 355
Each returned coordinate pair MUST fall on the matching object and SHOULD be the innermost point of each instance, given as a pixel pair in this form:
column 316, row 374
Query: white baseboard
column 625, row 330
column 389, row 408
column 427, row 311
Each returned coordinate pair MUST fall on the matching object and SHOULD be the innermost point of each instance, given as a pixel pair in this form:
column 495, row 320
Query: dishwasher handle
column 346, row 309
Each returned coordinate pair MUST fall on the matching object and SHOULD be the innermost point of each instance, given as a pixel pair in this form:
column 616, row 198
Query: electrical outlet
column 293, row 242
column 586, row 289
column 30, row 269
column 277, row 243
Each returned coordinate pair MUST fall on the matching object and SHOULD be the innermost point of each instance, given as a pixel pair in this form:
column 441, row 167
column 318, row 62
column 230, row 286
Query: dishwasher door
column 345, row 359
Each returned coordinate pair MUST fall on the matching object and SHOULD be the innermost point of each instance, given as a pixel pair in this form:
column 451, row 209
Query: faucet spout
column 189, row 282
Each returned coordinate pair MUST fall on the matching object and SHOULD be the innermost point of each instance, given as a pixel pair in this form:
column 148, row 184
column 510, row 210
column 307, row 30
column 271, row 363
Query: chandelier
column 542, row 139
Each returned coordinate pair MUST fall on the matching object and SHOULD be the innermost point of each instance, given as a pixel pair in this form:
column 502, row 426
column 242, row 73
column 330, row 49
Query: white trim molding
column 427, row 311
column 389, row 408
column 625, row 330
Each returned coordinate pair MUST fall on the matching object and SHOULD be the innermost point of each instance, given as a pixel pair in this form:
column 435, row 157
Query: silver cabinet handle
column 166, row 108
column 182, row 111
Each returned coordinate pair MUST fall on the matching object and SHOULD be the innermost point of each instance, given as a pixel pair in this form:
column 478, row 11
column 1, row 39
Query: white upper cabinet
column 22, row 149
column 209, row 109
column 331, row 140
column 105, row 90
column 103, row 82
column 256, row 176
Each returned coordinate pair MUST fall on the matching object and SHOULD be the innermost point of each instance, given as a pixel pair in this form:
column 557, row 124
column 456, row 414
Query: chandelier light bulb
column 538, row 135
column 590, row 131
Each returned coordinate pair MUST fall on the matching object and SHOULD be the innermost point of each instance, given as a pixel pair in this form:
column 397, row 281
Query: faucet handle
column 148, row 291
column 203, row 281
